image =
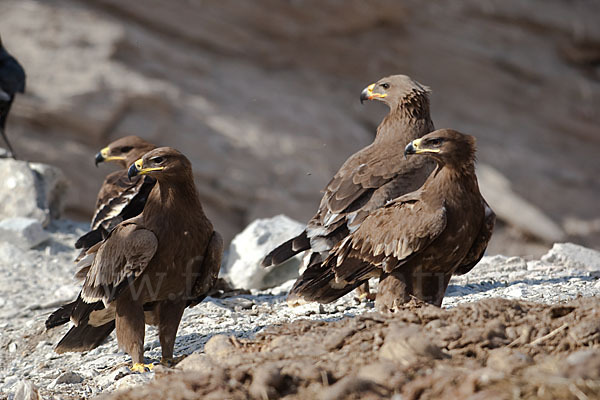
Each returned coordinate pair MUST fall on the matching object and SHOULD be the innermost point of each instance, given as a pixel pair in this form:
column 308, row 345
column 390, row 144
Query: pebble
column 68, row 377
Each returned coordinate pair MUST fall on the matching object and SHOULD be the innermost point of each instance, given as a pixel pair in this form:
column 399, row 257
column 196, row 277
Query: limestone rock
column 572, row 255
column 26, row 390
column 31, row 190
column 66, row 378
column 242, row 267
column 197, row 362
column 22, row 232
column 218, row 347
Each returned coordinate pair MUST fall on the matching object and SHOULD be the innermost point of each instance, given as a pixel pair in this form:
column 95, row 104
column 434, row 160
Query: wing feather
column 124, row 255
column 481, row 241
column 400, row 230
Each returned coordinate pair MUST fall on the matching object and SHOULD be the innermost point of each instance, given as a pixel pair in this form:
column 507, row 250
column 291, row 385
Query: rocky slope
column 263, row 96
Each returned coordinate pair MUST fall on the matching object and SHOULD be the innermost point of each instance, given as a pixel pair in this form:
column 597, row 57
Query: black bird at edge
column 12, row 80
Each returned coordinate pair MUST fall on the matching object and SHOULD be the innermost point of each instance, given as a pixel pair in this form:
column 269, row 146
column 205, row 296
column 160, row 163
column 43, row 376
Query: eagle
column 372, row 176
column 416, row 242
column 149, row 268
column 119, row 198
column 12, row 81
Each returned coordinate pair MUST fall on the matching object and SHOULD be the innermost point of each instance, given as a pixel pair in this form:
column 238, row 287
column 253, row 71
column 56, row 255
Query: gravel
column 36, row 281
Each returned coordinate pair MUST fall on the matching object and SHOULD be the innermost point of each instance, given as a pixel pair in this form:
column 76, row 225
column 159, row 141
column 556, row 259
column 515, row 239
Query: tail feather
column 82, row 310
column 318, row 284
column 60, row 316
column 91, row 238
column 84, row 337
column 286, row 250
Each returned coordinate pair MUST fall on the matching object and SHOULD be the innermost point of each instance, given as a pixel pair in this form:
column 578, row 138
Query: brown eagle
column 415, row 242
column 149, row 268
column 370, row 177
column 119, row 197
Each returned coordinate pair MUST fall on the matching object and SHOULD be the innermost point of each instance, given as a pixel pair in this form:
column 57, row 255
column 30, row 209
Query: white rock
column 68, row 377
column 26, row 390
column 110, row 378
column 31, row 190
column 133, row 380
column 572, row 255
column 242, row 267
column 515, row 291
column 22, row 232
column 12, row 348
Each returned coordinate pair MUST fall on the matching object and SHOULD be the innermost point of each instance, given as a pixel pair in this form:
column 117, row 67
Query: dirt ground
column 494, row 348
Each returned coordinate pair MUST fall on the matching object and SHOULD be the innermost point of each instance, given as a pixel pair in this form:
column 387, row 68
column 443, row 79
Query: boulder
column 574, row 256
column 31, row 190
column 242, row 266
column 24, row 233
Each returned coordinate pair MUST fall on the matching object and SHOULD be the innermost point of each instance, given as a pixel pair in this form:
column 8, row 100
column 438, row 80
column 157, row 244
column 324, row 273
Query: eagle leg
column 12, row 152
column 168, row 315
column 394, row 290
column 364, row 292
column 171, row 362
column 130, row 327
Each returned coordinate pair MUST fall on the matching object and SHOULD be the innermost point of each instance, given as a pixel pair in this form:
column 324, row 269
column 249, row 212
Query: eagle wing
column 391, row 235
column 112, row 264
column 481, row 241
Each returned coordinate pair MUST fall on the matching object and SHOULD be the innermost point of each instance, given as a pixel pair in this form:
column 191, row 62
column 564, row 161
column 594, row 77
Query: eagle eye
column 157, row 160
column 435, row 142
column 126, row 149
column 385, row 85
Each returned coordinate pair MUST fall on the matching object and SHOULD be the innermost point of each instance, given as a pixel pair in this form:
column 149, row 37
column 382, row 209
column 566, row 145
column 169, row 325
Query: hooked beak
column 103, row 155
column 416, row 147
column 409, row 149
column 367, row 94
column 137, row 168
column 99, row 158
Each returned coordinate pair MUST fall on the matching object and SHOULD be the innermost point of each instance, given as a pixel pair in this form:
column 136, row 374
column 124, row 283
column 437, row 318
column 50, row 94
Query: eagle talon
column 141, row 368
column 171, row 362
column 367, row 297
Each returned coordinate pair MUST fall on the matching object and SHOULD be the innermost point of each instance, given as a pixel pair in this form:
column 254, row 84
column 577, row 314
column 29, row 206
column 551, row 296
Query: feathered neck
column 449, row 179
column 173, row 204
column 407, row 121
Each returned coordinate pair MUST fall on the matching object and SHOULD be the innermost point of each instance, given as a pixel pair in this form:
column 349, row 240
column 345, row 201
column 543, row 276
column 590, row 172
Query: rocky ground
column 492, row 349
column 488, row 338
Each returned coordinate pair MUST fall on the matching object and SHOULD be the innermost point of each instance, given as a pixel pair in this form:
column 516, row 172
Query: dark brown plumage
column 150, row 267
column 119, row 198
column 12, row 81
column 370, row 177
column 416, row 242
